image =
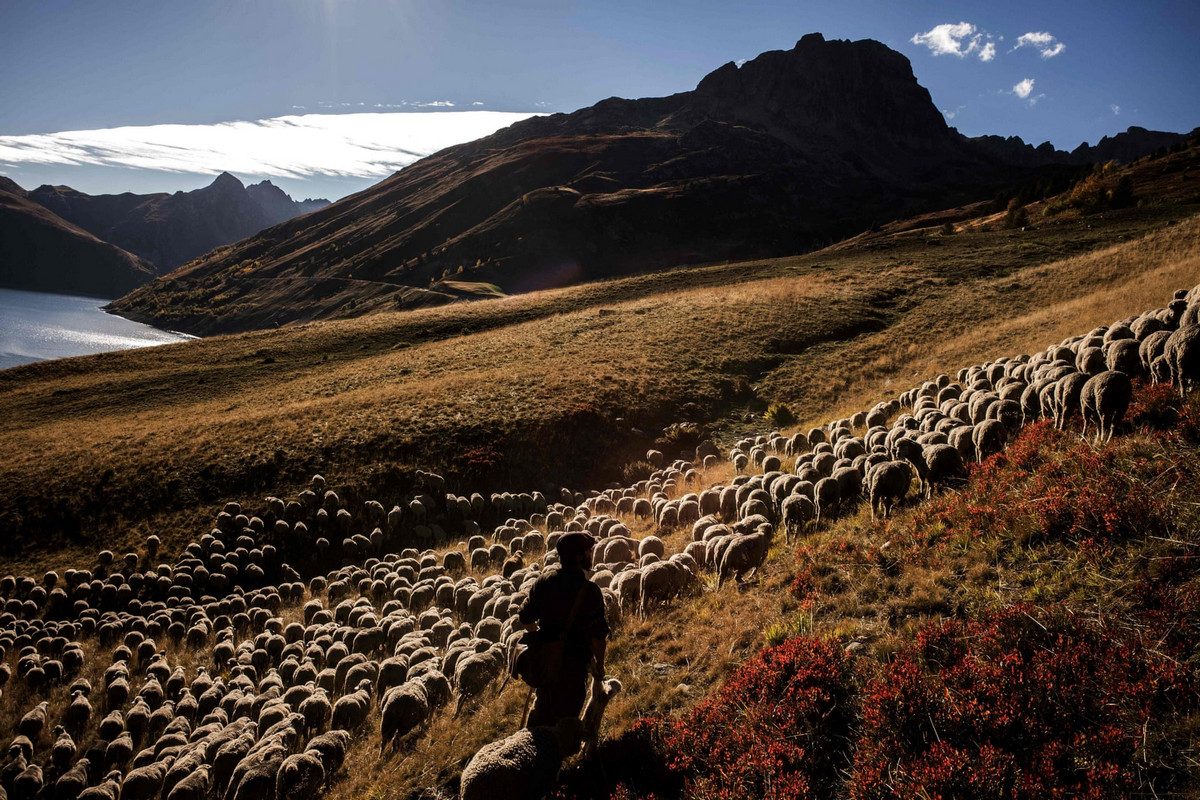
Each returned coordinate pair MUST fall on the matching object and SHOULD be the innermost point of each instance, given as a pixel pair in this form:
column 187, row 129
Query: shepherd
column 565, row 612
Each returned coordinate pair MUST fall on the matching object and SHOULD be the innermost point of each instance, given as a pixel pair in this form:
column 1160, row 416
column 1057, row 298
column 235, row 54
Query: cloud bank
column 347, row 145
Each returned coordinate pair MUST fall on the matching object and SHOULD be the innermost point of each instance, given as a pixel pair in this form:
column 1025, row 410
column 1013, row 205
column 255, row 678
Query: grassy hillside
column 1033, row 633
column 559, row 387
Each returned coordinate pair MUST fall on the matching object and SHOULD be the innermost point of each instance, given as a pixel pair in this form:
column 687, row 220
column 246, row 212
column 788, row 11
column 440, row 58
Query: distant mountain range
column 55, row 238
column 789, row 151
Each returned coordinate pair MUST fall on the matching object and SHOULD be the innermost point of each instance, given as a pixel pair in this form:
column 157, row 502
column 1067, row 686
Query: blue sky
column 1090, row 69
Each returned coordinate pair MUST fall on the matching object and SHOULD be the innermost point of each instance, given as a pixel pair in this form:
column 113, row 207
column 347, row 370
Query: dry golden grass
column 108, row 449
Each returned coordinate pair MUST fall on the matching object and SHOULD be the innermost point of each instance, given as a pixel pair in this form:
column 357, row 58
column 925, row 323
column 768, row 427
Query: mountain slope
column 172, row 229
column 40, row 251
column 790, row 151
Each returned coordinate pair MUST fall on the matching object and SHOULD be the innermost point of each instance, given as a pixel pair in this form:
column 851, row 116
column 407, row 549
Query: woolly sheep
column 1182, row 351
column 744, row 554
column 887, row 484
column 522, row 766
column 1105, row 398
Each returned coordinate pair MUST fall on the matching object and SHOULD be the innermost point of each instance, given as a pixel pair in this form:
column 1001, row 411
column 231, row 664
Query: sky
column 325, row 97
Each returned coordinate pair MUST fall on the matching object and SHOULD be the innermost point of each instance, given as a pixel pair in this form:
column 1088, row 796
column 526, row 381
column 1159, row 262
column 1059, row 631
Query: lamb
column 887, row 484
column 523, row 766
column 744, row 554
column 1105, row 398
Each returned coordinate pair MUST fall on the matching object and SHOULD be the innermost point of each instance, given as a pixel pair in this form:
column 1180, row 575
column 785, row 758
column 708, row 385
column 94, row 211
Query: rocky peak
column 836, row 88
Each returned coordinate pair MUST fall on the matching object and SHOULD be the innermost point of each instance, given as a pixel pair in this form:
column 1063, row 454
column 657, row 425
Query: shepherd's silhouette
column 565, row 603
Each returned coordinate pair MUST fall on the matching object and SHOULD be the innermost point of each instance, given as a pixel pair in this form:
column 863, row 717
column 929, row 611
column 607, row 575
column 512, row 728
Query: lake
column 35, row 326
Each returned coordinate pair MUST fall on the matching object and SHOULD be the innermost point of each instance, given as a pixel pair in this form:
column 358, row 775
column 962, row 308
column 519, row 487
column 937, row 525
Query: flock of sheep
column 222, row 673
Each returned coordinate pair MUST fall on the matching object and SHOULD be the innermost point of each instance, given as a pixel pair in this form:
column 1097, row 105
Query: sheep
column 331, row 748
column 523, row 766
column 943, row 465
column 193, row 787
column 33, row 722
column 797, row 511
column 887, row 484
column 476, row 672
column 661, row 581
column 828, row 494
column 989, row 438
column 1105, row 398
column 350, row 711
column 63, row 751
column 744, row 554
column 254, row 778
column 28, row 784
column 317, row 711
column 1182, row 351
column 72, row 782
column 405, row 708
column 145, row 783
column 300, row 777
column 110, row 789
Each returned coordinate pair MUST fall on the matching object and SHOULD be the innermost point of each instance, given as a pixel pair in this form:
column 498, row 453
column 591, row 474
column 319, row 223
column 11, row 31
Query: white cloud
column 740, row 61
column 1023, row 88
column 1044, row 41
column 353, row 145
column 957, row 39
column 949, row 39
column 1116, row 109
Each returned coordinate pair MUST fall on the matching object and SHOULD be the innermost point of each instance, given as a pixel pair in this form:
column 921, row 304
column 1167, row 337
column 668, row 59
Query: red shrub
column 1044, row 487
column 1019, row 704
column 778, row 728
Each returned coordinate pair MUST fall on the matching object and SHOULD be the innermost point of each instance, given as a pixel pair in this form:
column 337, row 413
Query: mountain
column 1126, row 146
column 40, row 251
column 172, row 229
column 787, row 152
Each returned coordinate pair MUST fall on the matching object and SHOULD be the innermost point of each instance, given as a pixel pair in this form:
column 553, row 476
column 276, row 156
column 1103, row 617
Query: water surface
column 35, row 326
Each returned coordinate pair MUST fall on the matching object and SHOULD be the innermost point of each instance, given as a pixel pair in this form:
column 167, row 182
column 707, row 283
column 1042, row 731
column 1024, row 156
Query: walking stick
column 525, row 711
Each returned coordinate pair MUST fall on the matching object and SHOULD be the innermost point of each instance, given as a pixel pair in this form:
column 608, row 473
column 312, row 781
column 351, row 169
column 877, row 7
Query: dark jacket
column 549, row 604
